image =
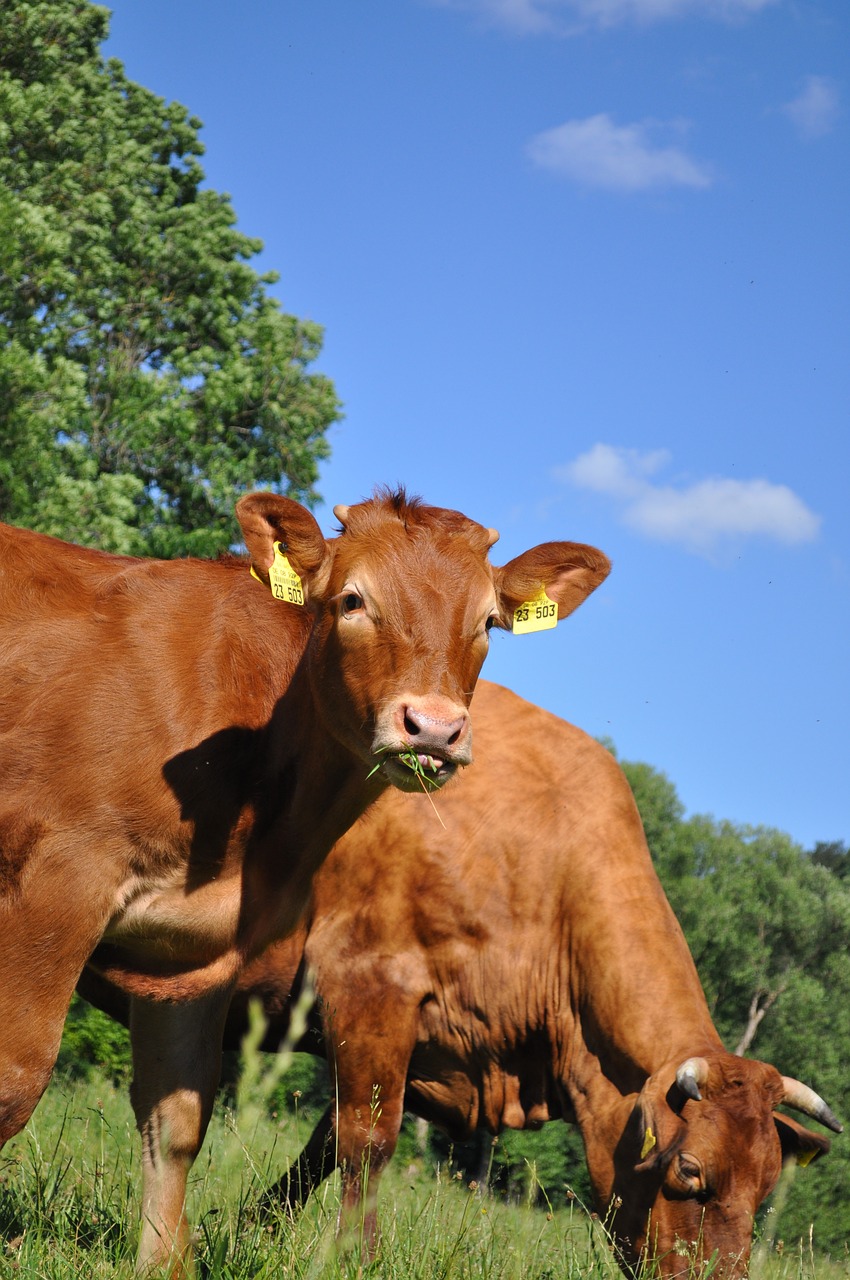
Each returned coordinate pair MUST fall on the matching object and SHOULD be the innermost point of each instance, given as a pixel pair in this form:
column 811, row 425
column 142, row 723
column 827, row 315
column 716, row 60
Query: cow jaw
column 416, row 771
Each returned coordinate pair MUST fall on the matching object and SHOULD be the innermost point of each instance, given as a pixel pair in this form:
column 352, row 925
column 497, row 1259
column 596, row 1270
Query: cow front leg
column 46, row 935
column 31, row 1022
column 370, row 1056
column 176, row 1069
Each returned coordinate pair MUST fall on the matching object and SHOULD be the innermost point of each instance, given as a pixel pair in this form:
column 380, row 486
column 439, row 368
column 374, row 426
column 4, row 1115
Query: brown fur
column 518, row 965
column 179, row 752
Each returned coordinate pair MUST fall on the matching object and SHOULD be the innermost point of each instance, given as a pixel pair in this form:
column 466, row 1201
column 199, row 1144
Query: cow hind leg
column 315, row 1163
column 176, row 1068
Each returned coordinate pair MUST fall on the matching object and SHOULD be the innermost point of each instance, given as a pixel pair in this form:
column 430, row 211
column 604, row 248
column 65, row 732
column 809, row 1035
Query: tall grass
column 69, row 1207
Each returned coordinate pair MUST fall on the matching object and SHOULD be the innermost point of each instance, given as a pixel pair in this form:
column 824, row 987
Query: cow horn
column 341, row 513
column 802, row 1098
column 492, row 537
column 692, row 1073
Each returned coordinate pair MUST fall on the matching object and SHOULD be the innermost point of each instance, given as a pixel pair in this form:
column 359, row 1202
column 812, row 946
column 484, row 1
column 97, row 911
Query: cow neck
column 634, row 1019
column 315, row 790
column 653, row 1013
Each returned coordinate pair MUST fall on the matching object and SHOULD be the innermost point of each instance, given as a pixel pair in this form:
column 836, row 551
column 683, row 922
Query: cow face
column 403, row 602
column 701, row 1152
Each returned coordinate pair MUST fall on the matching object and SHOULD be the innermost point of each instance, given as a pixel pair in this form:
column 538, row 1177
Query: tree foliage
column 146, row 374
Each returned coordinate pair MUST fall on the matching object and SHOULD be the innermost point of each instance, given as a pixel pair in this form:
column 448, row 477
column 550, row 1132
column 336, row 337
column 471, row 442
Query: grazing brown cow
column 179, row 751
column 522, row 963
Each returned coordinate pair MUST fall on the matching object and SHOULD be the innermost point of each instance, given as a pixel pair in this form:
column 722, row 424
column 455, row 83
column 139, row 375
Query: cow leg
column 32, row 1015
column 47, row 933
column 370, row 1058
column 176, row 1068
column 315, row 1163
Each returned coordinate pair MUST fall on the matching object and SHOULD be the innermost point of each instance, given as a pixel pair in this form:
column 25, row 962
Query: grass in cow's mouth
column 425, row 776
column 411, row 759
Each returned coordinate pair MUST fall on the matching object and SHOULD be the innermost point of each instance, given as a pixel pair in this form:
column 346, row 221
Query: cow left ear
column 654, row 1131
column 268, row 518
column 566, row 571
column 798, row 1143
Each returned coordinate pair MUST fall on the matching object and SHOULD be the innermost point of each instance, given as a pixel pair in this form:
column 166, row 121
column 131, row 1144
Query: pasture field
column 69, row 1208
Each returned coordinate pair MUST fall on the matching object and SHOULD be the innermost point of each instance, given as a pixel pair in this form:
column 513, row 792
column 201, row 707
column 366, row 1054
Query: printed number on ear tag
column 286, row 585
column 538, row 614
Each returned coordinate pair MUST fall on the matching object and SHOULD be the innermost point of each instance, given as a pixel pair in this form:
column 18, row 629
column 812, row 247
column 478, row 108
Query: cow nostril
column 454, row 737
column 411, row 725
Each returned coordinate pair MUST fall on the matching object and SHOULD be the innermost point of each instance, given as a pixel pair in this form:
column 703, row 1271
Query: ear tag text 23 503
column 538, row 614
column 285, row 582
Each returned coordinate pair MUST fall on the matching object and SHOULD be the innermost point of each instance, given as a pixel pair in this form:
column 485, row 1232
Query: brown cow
column 179, row 751
column 522, row 963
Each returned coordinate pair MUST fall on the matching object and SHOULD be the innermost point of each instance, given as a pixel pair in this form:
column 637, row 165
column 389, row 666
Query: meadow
column 69, row 1206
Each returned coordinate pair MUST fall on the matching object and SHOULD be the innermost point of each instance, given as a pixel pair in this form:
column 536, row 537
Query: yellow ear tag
column 537, row 614
column 648, row 1143
column 285, row 583
column 805, row 1157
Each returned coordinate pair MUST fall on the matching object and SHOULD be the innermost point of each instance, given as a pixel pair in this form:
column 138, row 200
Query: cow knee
column 174, row 1128
column 366, row 1138
column 20, row 1092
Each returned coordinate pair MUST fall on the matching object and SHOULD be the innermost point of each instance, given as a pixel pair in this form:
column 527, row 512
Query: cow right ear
column 269, row 518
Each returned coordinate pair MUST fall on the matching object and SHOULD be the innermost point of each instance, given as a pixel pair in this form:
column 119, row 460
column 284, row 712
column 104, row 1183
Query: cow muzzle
column 419, row 745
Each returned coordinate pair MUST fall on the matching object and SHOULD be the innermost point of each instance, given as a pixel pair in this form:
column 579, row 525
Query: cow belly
column 163, row 926
column 479, row 1092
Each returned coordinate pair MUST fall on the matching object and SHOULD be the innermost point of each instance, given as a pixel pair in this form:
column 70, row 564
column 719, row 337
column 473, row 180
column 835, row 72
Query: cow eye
column 491, row 622
column 351, row 602
column 690, row 1173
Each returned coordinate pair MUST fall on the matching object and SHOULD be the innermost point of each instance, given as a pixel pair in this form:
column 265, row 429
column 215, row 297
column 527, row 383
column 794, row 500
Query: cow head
column 701, row 1151
column 402, row 603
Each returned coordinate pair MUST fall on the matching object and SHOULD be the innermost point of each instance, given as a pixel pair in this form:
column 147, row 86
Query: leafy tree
column 146, row 375
column 834, row 855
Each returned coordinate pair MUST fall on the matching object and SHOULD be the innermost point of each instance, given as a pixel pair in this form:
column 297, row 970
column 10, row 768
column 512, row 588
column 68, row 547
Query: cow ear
column 654, row 1129
column 798, row 1143
column 267, row 518
column 566, row 571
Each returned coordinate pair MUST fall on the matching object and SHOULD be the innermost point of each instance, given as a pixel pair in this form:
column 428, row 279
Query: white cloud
column 815, row 111
column 698, row 516
column 620, row 472
column 531, row 17
column 596, row 152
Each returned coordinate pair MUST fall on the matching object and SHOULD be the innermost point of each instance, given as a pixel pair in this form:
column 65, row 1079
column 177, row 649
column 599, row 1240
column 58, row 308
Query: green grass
column 69, row 1208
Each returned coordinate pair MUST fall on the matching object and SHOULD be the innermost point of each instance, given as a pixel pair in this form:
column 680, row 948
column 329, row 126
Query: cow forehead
column 398, row 556
column 738, row 1143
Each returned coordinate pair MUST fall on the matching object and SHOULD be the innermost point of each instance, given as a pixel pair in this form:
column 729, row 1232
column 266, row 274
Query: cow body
column 179, row 751
column 518, row 964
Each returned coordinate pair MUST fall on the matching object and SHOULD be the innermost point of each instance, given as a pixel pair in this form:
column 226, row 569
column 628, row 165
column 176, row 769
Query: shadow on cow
column 182, row 743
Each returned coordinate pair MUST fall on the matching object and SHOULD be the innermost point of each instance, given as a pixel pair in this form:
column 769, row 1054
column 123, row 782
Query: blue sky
column 583, row 271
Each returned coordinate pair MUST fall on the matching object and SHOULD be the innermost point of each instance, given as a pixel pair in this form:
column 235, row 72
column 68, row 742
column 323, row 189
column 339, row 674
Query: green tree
column 834, row 855
column 146, row 374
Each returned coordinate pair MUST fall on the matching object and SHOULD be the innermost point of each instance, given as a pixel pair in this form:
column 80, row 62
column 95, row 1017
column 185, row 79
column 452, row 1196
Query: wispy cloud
column 596, row 152
column 698, row 516
column 533, row 17
column 815, row 110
